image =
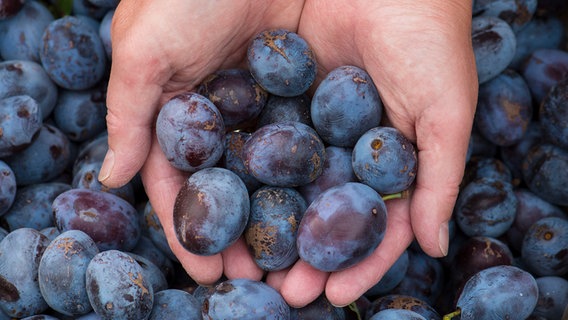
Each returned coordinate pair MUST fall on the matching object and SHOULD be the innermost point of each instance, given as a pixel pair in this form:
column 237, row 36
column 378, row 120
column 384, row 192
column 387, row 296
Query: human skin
column 418, row 53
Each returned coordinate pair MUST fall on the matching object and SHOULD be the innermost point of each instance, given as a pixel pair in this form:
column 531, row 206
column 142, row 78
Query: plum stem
column 399, row 195
column 451, row 315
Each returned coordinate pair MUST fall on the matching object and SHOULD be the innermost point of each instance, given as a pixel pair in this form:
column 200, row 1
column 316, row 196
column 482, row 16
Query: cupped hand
column 419, row 55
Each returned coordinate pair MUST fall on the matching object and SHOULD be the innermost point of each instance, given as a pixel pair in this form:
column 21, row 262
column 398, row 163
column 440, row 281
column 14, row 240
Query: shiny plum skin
column 542, row 69
column 282, row 62
column 22, row 77
column 284, row 154
column 483, row 296
column 486, row 207
column 553, row 114
column 116, row 286
column 72, row 53
column 20, row 36
column 175, row 304
column 62, row 270
column 545, row 247
column 45, row 158
column 245, row 299
column 504, row 108
column 211, row 211
column 20, row 121
column 337, row 169
column 345, row 105
column 486, row 167
column 341, row 227
column 233, row 159
column 494, row 45
column 275, row 214
column 191, row 132
column 236, row 94
column 21, row 250
column 277, row 108
column 109, row 220
column 385, row 160
column 545, row 174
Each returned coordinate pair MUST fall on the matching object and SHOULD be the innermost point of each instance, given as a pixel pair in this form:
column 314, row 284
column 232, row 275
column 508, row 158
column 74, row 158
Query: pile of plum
column 299, row 170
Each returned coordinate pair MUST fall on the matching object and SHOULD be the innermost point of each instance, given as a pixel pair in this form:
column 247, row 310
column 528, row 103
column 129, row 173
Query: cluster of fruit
column 299, row 173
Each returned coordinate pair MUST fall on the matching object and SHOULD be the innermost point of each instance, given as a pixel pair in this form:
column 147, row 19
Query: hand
column 418, row 53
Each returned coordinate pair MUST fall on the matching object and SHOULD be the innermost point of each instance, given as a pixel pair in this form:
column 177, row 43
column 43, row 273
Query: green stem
column 451, row 315
column 353, row 307
column 399, row 195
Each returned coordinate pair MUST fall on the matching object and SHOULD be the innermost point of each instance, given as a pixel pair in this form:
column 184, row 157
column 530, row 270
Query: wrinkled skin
column 418, row 53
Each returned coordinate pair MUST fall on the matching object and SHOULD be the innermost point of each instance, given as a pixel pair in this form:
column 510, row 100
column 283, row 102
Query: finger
column 162, row 183
column 238, row 262
column 303, row 284
column 442, row 148
column 275, row 279
column 348, row 285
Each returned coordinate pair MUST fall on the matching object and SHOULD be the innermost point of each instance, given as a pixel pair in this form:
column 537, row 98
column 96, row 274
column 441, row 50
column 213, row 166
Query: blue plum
column 517, row 13
column 486, row 207
column 542, row 69
column 151, row 272
column 504, row 108
column 117, row 288
column 232, row 159
column 545, row 174
column 513, row 156
column 337, row 169
column 152, row 227
column 484, row 296
column 32, row 206
column 80, row 114
column 86, row 178
column 341, row 227
column 282, row 62
column 87, row 8
column 277, row 108
column 104, row 33
column 9, row 8
column 190, row 131
column 402, row 302
column 245, row 299
column 394, row 275
column 72, row 53
column 20, row 121
column 23, row 77
column 146, row 249
column 552, row 297
column 345, row 105
column 284, row 154
column 385, row 160
column 62, row 270
column 320, row 308
column 494, row 45
column 486, row 167
column 8, row 187
column 20, row 295
column 397, row 314
column 44, row 159
column 275, row 214
column 236, row 94
column 545, row 247
column 110, row 4
column 175, row 304
column 553, row 114
column 111, row 221
column 20, row 35
column 211, row 211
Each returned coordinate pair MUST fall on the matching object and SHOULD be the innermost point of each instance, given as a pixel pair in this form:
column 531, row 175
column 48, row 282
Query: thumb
column 132, row 102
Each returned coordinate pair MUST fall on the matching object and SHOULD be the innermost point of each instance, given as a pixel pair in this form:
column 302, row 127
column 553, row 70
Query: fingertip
column 238, row 263
column 303, row 284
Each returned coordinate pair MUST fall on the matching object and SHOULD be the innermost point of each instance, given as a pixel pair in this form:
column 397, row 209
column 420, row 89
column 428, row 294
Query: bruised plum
column 284, row 154
column 342, row 226
column 211, row 211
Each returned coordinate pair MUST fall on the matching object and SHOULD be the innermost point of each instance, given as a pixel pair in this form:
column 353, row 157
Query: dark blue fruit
column 20, row 35
column 277, row 108
column 345, row 105
column 20, row 121
column 116, row 286
column 486, row 167
column 552, row 297
column 504, row 108
column 494, row 45
column 402, row 302
column 236, row 94
column 109, row 220
column 9, row 8
column 320, row 308
column 104, row 32
column 484, row 295
column 245, row 299
column 517, row 13
column 275, row 214
column 175, row 304
column 21, row 251
column 544, row 68
column 544, row 171
column 62, row 270
column 8, row 187
column 385, row 160
column 72, row 53
column 545, row 247
column 282, row 62
column 284, row 154
column 191, row 132
column 152, row 227
column 211, row 211
column 342, row 226
column 233, row 159
column 397, row 314
column 392, row 277
column 486, row 207
column 553, row 114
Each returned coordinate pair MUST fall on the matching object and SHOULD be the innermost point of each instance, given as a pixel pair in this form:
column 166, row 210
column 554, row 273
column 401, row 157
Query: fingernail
column 106, row 168
column 444, row 238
